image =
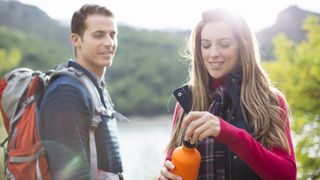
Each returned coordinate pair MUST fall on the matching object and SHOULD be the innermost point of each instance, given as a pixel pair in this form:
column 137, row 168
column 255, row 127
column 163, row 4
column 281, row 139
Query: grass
column 3, row 135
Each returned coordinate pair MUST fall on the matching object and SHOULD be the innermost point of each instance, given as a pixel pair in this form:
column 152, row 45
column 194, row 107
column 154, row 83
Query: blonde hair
column 258, row 98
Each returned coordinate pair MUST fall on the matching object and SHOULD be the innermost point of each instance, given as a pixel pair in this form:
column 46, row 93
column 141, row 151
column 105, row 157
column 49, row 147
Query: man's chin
column 108, row 63
column 105, row 60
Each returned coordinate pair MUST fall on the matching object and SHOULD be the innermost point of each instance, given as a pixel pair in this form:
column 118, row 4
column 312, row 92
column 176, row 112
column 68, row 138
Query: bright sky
column 175, row 14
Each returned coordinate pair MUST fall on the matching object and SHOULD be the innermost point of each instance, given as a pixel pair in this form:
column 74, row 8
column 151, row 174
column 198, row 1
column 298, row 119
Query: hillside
column 145, row 70
column 42, row 41
column 147, row 66
column 289, row 22
column 31, row 20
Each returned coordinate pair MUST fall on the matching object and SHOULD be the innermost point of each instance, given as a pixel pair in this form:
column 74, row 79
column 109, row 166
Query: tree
column 297, row 71
column 9, row 59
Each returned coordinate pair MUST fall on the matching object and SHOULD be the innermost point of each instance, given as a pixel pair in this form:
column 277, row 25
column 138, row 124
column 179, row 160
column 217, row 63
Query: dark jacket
column 65, row 119
column 238, row 168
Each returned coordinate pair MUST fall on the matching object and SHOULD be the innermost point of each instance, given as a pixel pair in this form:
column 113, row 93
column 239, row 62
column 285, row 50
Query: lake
column 143, row 141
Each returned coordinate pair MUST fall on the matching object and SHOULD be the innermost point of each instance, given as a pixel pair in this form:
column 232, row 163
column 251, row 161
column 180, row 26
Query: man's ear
column 75, row 40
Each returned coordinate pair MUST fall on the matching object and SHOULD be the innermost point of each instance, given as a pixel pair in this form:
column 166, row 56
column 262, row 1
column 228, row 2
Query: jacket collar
column 233, row 87
column 96, row 81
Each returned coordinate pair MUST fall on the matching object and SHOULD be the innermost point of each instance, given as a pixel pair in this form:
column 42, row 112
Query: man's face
column 97, row 47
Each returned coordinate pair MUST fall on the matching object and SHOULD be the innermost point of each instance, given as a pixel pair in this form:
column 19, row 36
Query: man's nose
column 108, row 41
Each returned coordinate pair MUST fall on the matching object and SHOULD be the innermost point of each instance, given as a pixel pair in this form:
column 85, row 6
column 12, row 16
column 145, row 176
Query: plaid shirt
column 212, row 165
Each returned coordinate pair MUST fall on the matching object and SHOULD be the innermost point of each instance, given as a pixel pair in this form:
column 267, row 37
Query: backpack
column 21, row 92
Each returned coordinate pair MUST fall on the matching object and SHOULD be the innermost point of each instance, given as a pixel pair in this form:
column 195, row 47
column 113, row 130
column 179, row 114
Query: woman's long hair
column 258, row 98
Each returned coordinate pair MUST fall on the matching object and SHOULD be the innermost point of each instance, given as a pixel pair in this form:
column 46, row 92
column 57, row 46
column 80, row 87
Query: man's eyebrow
column 98, row 31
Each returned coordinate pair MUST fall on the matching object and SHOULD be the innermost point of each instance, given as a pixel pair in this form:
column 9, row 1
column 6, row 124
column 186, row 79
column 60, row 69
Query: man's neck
column 97, row 71
column 90, row 74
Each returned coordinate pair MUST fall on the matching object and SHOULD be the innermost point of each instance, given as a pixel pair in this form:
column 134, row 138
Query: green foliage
column 32, row 51
column 297, row 70
column 9, row 59
column 3, row 135
column 146, row 69
column 31, row 20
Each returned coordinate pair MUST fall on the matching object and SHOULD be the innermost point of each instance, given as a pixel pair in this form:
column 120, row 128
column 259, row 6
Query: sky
column 176, row 14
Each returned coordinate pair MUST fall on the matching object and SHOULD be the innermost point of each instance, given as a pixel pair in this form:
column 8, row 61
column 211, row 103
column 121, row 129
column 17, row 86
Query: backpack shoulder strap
column 98, row 109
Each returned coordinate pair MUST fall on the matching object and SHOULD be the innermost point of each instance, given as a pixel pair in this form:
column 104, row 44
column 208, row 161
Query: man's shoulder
column 65, row 93
column 64, row 87
column 66, row 81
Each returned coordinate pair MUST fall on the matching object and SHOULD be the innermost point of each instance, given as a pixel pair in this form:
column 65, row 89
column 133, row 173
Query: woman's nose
column 214, row 52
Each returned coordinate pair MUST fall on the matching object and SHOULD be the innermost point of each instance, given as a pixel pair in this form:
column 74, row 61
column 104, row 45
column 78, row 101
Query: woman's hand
column 165, row 172
column 200, row 124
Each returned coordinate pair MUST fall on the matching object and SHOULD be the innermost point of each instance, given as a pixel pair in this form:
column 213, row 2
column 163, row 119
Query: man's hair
column 79, row 17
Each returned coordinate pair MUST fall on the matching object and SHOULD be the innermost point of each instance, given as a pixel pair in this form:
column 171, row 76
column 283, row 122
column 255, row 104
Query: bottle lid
column 188, row 144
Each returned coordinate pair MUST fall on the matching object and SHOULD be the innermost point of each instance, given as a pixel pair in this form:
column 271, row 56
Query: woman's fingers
column 194, row 129
column 204, row 134
column 166, row 171
column 193, row 115
column 201, row 125
column 201, row 132
column 169, row 165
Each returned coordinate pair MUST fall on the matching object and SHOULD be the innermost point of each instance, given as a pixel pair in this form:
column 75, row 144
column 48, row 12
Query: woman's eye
column 205, row 46
column 224, row 45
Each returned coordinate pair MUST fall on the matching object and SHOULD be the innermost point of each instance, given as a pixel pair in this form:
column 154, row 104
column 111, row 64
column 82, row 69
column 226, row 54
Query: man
column 66, row 109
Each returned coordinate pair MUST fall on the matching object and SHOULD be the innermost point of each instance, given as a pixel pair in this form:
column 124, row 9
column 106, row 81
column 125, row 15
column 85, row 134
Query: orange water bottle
column 186, row 159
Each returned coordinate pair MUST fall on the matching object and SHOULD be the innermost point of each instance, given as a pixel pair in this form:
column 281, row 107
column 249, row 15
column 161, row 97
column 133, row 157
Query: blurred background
column 147, row 66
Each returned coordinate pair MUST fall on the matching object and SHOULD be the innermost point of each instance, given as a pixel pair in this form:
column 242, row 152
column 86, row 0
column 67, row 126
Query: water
column 143, row 142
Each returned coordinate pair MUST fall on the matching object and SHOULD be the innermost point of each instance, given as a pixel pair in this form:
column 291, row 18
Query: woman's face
column 219, row 49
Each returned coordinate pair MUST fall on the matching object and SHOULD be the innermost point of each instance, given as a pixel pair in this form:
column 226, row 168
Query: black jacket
column 236, row 169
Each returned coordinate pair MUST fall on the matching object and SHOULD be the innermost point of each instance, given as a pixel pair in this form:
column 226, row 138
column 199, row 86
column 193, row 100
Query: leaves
column 297, row 71
column 145, row 71
column 9, row 59
column 35, row 51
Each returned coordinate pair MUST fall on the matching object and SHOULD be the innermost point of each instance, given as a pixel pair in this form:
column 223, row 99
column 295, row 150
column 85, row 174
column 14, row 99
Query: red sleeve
column 268, row 164
column 175, row 116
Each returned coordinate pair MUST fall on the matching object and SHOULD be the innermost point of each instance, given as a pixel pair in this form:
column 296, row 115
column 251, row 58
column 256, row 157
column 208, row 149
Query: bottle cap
column 188, row 144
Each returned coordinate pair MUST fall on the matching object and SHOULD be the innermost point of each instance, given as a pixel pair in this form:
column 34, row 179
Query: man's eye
column 112, row 35
column 98, row 35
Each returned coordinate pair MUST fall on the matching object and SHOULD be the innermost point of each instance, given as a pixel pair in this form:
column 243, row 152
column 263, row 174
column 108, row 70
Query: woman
column 237, row 118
